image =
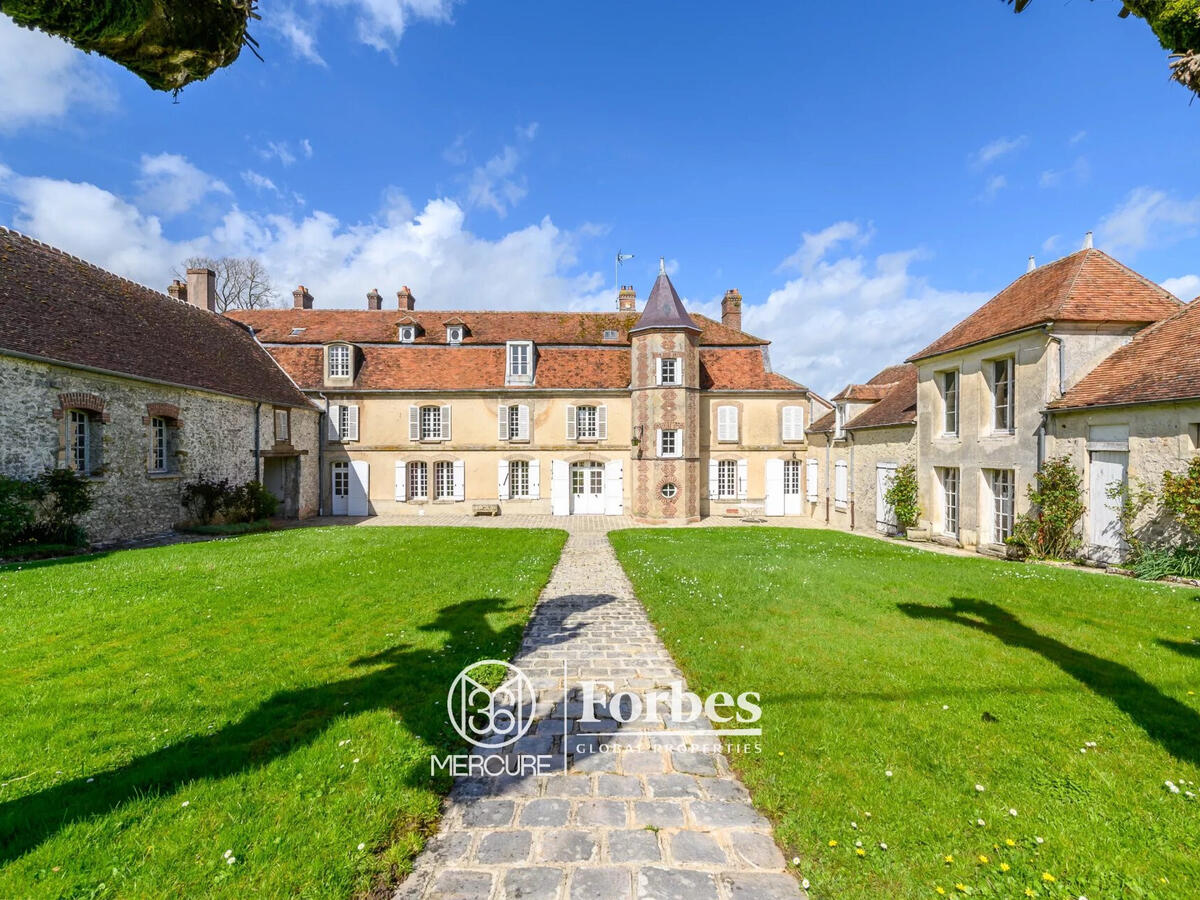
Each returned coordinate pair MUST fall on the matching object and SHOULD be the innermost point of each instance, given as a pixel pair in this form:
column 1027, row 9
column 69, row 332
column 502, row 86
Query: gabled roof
column 893, row 397
column 56, row 307
column 368, row 326
column 1161, row 363
column 1088, row 286
column 664, row 309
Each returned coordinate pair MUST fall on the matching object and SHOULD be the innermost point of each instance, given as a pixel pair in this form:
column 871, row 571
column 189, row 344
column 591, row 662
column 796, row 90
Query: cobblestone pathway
column 659, row 817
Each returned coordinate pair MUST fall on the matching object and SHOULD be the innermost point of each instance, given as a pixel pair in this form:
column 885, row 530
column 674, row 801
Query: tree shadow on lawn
column 1186, row 648
column 403, row 680
column 1173, row 725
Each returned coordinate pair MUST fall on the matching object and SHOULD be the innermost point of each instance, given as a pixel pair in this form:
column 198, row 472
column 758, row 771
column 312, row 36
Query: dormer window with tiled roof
column 519, row 362
column 408, row 330
column 339, row 363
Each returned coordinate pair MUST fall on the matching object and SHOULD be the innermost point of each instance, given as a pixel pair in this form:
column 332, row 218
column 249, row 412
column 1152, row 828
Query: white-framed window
column 727, row 479
column 343, row 423
column 519, row 362
column 841, row 484
column 949, row 386
column 454, row 334
column 668, row 370
column 669, row 490
column 418, row 481
column 812, row 479
column 443, row 480
column 727, row 424
column 341, row 479
column 610, row 334
column 429, row 423
column 408, row 334
column 791, row 477
column 670, row 442
column 1003, row 400
column 344, row 413
column 1002, row 483
column 839, row 421
column 792, row 423
column 950, row 500
column 282, row 423
column 513, row 422
column 518, row 478
column 339, row 360
column 79, row 441
column 587, row 423
column 159, row 459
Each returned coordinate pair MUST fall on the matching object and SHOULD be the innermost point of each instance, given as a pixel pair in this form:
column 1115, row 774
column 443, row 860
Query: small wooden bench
column 485, row 509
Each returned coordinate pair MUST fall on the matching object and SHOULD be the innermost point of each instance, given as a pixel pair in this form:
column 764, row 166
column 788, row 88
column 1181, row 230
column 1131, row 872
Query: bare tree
column 242, row 281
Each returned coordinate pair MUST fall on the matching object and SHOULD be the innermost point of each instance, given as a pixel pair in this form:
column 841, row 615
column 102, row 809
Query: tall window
column 950, row 402
column 158, row 444
column 950, row 501
column 839, row 420
column 792, row 426
column 431, row 423
column 341, row 479
column 727, row 479
column 1002, row 394
column 668, row 370
column 418, row 481
column 514, row 422
column 791, row 477
column 518, row 478
column 443, row 475
column 585, row 422
column 281, row 425
column 727, row 424
column 79, row 441
column 339, row 361
column 1003, row 493
column 520, row 362
column 669, row 443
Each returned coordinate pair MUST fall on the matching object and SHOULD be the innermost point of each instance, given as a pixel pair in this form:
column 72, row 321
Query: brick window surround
column 161, row 411
column 92, row 403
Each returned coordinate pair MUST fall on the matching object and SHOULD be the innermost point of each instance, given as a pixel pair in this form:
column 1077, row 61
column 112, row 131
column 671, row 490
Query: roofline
column 879, row 425
column 49, row 360
column 1082, row 408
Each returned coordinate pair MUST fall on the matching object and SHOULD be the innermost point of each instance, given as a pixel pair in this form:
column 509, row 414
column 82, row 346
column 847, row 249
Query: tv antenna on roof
column 621, row 257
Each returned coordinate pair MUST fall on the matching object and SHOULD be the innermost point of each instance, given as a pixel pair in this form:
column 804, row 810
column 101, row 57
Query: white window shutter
column 812, row 480
column 658, row 441
column 502, row 423
column 727, row 423
column 570, row 425
column 793, row 423
column 773, row 504
column 401, row 485
column 712, row 479
column 602, row 422
column 614, row 488
column 335, row 416
column 459, row 473
column 535, row 480
column 523, row 422
column 446, row 424
column 743, row 479
column 502, row 480
column 414, row 423
column 352, row 423
column 658, row 370
column 560, row 487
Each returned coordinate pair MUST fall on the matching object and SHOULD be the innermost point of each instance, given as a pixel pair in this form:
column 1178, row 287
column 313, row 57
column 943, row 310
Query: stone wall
column 212, row 436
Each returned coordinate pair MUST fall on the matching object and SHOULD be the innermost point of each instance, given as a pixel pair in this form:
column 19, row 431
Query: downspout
column 322, row 426
column 828, row 460
column 257, row 436
column 853, row 492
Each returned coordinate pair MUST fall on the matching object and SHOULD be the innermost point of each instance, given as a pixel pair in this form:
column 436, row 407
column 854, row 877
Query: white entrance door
column 793, row 500
column 773, row 503
column 340, row 478
column 587, row 489
column 1108, row 468
column 885, row 516
column 360, row 474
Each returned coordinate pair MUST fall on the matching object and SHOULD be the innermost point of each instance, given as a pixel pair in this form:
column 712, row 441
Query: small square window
column 610, row 334
column 669, row 443
column 668, row 370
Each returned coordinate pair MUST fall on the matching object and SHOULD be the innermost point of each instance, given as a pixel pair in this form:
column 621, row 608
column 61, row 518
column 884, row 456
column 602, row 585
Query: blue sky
column 865, row 181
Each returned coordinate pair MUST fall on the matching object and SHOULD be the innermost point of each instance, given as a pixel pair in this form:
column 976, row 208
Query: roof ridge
column 1070, row 286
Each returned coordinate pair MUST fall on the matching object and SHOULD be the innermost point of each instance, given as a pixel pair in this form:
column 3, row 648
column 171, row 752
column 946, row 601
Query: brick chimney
column 731, row 310
column 177, row 290
column 301, row 298
column 406, row 298
column 627, row 299
column 374, row 299
column 202, row 288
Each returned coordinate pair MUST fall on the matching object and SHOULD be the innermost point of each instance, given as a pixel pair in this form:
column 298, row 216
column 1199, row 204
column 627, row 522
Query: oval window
column 669, row 490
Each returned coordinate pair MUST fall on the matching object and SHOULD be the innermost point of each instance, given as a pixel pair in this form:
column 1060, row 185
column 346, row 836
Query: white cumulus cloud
column 378, row 23
column 993, row 150
column 42, row 78
column 1185, row 287
column 1147, row 216
column 170, row 185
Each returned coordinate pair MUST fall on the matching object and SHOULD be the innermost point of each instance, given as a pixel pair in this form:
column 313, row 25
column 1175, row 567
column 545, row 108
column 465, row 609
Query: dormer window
column 454, row 334
column 610, row 334
column 338, row 361
column 408, row 334
column 519, row 363
column 839, row 421
column 296, row 332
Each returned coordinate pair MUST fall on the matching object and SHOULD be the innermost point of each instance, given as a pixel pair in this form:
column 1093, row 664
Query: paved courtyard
column 652, row 812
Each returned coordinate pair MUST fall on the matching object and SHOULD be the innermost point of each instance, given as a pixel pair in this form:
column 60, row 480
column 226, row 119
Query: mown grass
column 946, row 672
column 277, row 696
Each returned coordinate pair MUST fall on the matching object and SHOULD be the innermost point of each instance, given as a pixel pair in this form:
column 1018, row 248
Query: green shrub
column 207, row 499
column 1182, row 562
column 251, row 502
column 1181, row 499
column 1132, row 500
column 902, row 496
column 1050, row 530
column 204, row 498
column 44, row 510
column 17, row 515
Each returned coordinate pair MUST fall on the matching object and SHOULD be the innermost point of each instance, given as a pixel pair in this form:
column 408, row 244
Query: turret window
column 668, row 370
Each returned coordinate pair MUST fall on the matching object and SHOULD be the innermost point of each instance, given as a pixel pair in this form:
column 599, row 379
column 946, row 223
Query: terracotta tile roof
column 1160, row 363
column 740, row 370
column 57, row 307
column 824, row 424
column 1088, row 286
column 364, row 326
column 897, row 406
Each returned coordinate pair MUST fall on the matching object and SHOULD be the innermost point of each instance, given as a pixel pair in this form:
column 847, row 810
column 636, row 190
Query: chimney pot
column 627, row 299
column 301, row 298
column 374, row 299
column 202, row 288
column 177, row 290
column 1031, row 265
column 1087, row 241
column 406, row 299
column 731, row 309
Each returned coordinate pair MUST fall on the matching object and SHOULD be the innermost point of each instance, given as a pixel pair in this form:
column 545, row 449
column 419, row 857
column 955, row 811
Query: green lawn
column 274, row 695
column 946, row 672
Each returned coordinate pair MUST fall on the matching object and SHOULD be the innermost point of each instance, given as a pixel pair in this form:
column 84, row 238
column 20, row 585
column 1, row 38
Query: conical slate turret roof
column 664, row 309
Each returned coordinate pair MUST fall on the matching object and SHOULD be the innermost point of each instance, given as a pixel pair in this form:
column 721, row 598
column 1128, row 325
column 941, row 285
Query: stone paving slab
column 647, row 816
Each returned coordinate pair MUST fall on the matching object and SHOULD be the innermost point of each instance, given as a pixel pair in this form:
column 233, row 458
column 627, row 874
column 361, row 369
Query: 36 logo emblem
column 491, row 718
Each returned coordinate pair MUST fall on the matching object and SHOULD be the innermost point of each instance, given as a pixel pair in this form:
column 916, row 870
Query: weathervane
column 621, row 257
